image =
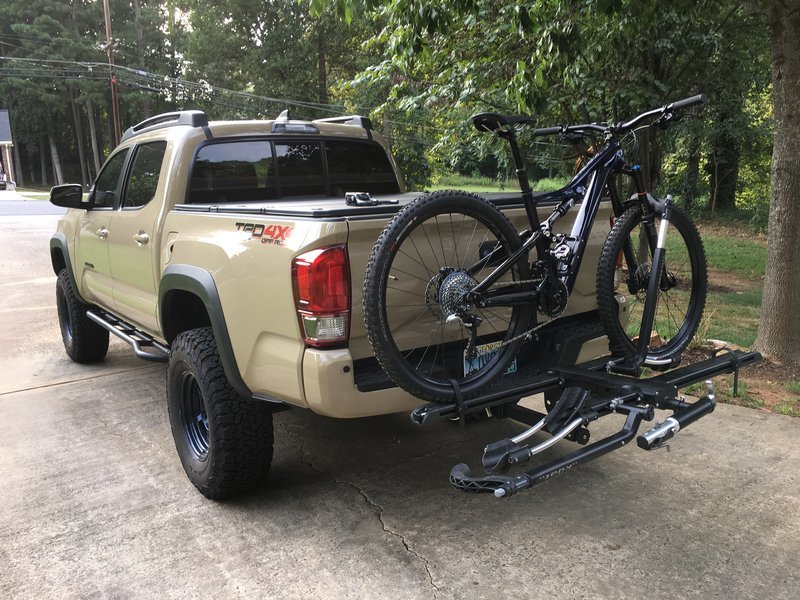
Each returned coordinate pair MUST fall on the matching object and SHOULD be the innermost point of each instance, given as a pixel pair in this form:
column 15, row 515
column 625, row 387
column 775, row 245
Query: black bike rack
column 588, row 392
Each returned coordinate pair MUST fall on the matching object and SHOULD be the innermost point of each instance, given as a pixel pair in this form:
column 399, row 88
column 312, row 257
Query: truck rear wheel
column 84, row 340
column 224, row 441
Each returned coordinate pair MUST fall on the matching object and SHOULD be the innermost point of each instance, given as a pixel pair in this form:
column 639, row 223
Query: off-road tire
column 688, row 240
column 84, row 340
column 376, row 321
column 224, row 441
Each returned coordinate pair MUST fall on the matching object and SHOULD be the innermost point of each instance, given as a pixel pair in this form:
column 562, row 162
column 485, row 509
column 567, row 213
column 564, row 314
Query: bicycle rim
column 431, row 256
column 681, row 297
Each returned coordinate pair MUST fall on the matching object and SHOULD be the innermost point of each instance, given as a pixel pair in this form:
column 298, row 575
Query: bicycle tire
column 415, row 251
column 680, row 307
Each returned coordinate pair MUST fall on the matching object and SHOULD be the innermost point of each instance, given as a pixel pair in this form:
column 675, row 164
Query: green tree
column 566, row 60
column 59, row 109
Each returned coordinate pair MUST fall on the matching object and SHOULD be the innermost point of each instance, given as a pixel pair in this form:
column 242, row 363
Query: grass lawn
column 736, row 279
column 736, row 261
column 485, row 184
column 33, row 194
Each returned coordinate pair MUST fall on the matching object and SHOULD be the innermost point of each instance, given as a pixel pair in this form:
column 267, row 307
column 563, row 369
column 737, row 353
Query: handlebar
column 665, row 112
column 687, row 102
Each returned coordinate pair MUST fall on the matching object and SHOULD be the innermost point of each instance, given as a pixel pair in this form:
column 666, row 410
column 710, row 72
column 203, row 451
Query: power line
column 206, row 93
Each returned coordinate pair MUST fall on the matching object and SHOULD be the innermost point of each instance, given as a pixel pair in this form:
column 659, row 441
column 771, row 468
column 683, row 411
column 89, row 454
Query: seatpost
column 522, row 174
column 522, row 177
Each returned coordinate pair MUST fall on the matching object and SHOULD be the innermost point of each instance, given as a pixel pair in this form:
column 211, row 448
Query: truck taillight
column 321, row 281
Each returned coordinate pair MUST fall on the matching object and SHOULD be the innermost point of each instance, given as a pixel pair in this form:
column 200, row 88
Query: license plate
column 485, row 352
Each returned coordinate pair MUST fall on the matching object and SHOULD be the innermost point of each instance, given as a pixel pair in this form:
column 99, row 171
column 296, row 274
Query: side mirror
column 69, row 195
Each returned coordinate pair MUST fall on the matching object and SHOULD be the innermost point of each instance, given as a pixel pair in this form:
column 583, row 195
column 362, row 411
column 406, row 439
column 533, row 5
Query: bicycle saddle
column 492, row 121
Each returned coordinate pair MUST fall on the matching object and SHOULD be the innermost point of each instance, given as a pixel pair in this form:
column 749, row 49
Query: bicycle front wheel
column 425, row 332
column 622, row 277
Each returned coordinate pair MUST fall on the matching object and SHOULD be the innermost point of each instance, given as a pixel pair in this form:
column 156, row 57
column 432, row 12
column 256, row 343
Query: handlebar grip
column 547, row 131
column 687, row 102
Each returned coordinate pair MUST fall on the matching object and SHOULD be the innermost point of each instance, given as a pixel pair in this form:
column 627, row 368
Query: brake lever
column 665, row 120
column 572, row 136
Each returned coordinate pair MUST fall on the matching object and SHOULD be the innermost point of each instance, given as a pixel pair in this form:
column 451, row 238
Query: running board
column 128, row 333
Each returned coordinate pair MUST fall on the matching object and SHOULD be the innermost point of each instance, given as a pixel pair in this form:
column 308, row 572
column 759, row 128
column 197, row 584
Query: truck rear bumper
column 330, row 388
column 337, row 386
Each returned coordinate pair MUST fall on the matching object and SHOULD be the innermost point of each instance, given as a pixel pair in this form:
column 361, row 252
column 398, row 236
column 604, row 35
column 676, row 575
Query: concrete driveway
column 94, row 503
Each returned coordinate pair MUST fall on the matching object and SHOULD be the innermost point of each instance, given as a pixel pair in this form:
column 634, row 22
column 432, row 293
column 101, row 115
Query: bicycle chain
column 526, row 335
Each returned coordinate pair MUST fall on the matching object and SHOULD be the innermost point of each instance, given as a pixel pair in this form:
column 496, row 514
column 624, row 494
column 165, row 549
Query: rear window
column 249, row 170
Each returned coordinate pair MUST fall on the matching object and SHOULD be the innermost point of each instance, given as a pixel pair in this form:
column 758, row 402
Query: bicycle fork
column 656, row 282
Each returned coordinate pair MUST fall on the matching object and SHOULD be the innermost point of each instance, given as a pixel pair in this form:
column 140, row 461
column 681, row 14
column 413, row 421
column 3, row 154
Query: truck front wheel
column 84, row 340
column 224, row 441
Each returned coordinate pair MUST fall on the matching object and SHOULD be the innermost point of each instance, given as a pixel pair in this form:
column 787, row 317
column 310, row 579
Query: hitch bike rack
column 587, row 392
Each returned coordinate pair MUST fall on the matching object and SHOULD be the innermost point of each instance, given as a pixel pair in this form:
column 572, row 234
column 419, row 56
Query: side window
column 105, row 188
column 233, row 172
column 144, row 174
column 300, row 169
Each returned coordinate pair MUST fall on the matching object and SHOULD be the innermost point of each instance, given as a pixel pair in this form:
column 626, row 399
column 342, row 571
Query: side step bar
column 128, row 333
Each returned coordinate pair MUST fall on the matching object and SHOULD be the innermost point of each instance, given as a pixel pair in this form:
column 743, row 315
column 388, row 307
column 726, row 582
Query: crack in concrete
column 378, row 509
column 379, row 512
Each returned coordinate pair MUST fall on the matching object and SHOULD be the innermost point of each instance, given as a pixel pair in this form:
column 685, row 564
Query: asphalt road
column 94, row 503
column 14, row 204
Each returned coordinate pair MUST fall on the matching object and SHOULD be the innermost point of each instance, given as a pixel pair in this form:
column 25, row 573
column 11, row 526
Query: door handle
column 141, row 238
column 102, row 233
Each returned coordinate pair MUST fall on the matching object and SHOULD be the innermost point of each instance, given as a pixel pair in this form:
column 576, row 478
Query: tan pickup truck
column 230, row 251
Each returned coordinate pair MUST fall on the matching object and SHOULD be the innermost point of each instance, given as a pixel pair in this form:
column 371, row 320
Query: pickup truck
column 235, row 252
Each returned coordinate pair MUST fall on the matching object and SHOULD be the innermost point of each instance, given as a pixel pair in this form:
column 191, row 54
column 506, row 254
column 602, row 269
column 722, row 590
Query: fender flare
column 200, row 283
column 58, row 243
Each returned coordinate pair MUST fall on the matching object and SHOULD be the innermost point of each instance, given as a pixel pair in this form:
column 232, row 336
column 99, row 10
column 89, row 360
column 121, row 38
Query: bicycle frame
column 587, row 184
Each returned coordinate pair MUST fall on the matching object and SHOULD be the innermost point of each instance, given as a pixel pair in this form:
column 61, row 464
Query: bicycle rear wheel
column 428, row 257
column 624, row 270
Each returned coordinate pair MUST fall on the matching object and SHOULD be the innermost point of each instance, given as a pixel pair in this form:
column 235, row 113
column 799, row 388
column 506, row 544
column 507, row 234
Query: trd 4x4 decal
column 268, row 234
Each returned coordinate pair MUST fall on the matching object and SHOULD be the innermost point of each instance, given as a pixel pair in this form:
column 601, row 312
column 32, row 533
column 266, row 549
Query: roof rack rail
column 355, row 120
column 193, row 118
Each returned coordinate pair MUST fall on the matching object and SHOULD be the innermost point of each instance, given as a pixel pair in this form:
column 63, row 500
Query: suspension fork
column 657, row 244
column 648, row 214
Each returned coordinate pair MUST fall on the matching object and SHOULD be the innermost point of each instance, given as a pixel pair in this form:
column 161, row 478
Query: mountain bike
column 452, row 290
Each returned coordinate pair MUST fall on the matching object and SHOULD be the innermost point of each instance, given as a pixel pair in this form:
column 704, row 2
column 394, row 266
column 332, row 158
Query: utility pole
column 109, row 47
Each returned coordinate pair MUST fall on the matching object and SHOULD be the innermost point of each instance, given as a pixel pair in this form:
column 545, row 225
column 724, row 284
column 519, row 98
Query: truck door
column 134, row 239
column 92, row 267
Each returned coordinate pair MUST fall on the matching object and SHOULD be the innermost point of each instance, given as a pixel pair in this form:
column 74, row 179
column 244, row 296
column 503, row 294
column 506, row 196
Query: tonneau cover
column 326, row 208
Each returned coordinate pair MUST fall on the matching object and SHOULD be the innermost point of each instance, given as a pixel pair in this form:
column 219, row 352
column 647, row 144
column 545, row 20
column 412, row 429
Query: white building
column 7, row 177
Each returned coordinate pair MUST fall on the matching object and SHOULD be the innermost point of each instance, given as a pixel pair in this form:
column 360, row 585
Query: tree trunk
column 20, row 179
column 779, row 328
column 31, row 168
column 76, row 118
column 137, row 11
column 93, row 135
column 724, row 171
column 110, row 130
column 43, row 161
column 649, row 159
column 692, row 173
column 57, row 174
